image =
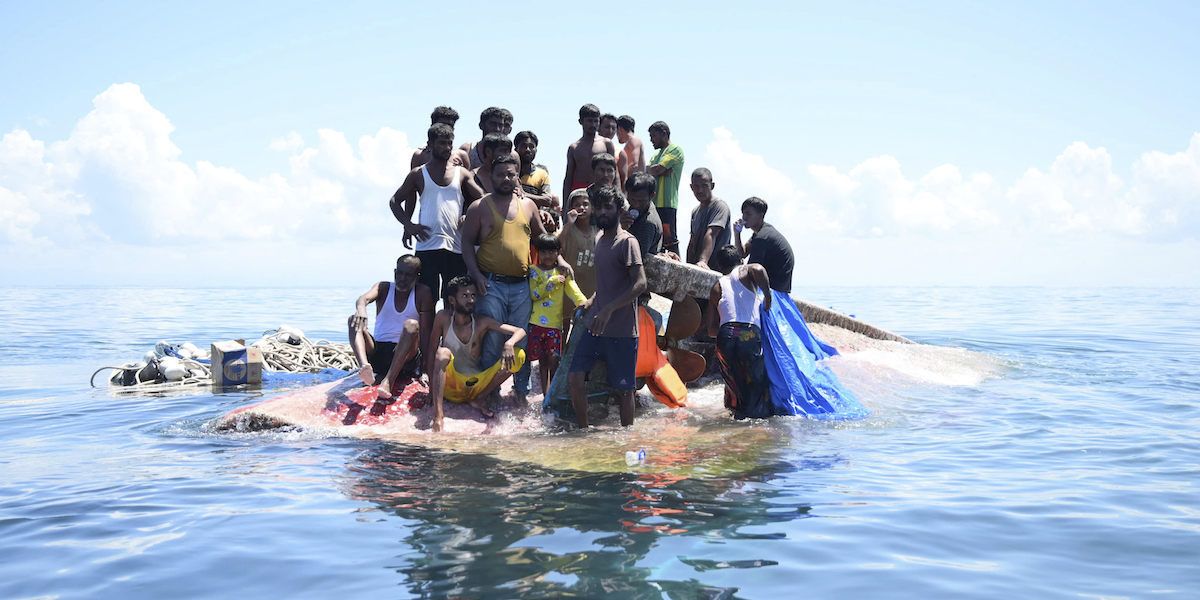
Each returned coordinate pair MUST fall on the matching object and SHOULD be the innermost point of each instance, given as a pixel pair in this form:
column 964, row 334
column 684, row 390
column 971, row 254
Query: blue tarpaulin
column 799, row 384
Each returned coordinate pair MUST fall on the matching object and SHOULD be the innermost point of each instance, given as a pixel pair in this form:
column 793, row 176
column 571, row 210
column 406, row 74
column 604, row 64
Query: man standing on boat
column 710, row 220
column 444, row 190
column 766, row 246
column 502, row 225
column 403, row 318
column 492, row 120
column 578, row 173
column 633, row 152
column 493, row 145
column 667, row 167
column 422, row 155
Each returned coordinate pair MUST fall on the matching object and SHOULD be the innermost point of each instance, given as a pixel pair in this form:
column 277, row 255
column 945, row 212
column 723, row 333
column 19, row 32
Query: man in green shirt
column 667, row 168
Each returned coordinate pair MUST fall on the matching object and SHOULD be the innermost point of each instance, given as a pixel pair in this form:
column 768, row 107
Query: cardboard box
column 235, row 364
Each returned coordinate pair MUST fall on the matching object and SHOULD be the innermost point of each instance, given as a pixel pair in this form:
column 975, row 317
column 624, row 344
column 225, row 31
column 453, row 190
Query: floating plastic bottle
column 635, row 457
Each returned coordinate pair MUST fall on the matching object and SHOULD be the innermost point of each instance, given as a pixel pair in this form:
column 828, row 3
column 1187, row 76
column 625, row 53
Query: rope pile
column 285, row 349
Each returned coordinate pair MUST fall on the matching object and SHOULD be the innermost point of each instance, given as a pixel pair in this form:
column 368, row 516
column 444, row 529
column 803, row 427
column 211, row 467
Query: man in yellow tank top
column 502, row 225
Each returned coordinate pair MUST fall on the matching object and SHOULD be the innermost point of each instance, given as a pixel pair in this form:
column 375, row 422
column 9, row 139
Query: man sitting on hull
column 455, row 348
column 403, row 318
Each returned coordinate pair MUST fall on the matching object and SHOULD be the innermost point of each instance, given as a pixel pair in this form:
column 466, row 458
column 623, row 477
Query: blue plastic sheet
column 273, row 378
column 799, row 384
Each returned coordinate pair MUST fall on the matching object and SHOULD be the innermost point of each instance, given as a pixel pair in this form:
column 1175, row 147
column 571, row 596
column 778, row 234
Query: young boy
column 546, row 289
column 535, row 180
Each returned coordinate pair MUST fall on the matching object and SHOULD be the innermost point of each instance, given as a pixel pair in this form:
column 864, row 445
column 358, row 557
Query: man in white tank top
column 734, row 318
column 403, row 320
column 445, row 191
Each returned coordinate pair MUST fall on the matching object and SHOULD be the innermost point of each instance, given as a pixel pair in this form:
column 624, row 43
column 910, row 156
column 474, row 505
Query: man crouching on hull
column 403, row 319
column 456, row 345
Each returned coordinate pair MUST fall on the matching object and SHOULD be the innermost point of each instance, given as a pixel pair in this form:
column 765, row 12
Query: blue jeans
column 510, row 304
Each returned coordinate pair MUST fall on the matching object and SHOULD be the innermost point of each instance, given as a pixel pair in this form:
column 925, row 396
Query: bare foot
column 437, row 425
column 367, row 375
column 481, row 404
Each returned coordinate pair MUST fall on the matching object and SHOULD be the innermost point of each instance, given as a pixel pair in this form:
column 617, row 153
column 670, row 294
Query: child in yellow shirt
column 546, row 287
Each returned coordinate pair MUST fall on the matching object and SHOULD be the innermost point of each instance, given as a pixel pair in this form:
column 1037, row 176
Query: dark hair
column 660, row 126
column 409, row 258
column 641, row 180
column 494, row 111
column 589, row 110
column 607, row 116
column 726, row 257
column 444, row 113
column 438, row 130
column 625, row 122
column 525, row 135
column 547, row 241
column 609, row 195
column 603, row 158
column 458, row 283
column 504, row 159
column 703, row 172
column 755, row 203
column 493, row 142
column 553, row 217
column 571, row 199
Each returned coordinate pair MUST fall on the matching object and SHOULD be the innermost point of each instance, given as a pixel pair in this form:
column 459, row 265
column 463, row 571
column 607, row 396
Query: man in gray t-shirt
column 710, row 220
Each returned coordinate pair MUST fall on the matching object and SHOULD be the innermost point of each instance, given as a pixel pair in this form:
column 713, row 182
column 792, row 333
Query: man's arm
column 622, row 169
column 759, row 275
column 437, row 331
column 416, row 158
column 743, row 249
column 569, row 172
column 470, row 235
column 470, row 190
column 403, row 203
column 637, row 273
column 466, row 150
column 515, row 335
column 706, row 246
column 359, row 321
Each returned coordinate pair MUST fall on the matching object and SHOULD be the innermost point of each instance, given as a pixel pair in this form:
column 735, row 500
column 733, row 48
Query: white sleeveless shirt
column 441, row 208
column 738, row 303
column 389, row 323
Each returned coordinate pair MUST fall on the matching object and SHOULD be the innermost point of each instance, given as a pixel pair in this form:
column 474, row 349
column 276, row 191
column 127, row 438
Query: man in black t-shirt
column 767, row 246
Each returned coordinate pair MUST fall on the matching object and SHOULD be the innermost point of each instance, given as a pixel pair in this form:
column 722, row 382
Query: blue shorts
column 618, row 354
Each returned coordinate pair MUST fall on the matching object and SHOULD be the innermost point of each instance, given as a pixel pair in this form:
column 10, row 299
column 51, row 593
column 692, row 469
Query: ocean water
column 1039, row 443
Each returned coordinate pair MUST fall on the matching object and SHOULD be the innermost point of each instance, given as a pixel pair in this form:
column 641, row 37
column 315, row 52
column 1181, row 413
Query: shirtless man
column 633, row 155
column 403, row 318
column 445, row 191
column 579, row 155
column 493, row 145
column 491, row 120
column 441, row 114
column 455, row 348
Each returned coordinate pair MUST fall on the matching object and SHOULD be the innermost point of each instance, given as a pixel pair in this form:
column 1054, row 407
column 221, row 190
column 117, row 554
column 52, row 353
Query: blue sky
column 947, row 143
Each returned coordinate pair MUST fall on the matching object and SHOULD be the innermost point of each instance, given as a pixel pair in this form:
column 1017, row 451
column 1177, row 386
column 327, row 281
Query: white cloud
column 118, row 177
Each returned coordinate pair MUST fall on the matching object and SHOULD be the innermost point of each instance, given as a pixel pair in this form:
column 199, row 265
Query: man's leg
column 437, row 384
column 406, row 349
column 498, row 377
column 520, row 308
column 431, row 268
column 363, row 346
column 452, row 266
column 579, row 397
column 670, row 234
column 581, row 364
column 493, row 305
column 626, row 397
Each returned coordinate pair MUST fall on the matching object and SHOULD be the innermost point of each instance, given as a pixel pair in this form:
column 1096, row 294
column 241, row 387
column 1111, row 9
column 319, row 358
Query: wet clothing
column 381, row 360
column 507, row 301
column 613, row 258
column 389, row 323
column 738, row 302
column 740, row 359
column 770, row 249
column 546, row 293
column 544, row 342
column 505, row 250
column 716, row 214
column 618, row 353
column 441, row 208
column 462, row 387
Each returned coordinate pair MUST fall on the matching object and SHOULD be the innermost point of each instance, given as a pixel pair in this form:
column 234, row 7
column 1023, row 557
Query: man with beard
column 612, row 334
column 444, row 190
column 492, row 120
column 449, row 116
column 403, row 318
column 456, row 372
column 492, row 146
column 502, row 224
column 579, row 155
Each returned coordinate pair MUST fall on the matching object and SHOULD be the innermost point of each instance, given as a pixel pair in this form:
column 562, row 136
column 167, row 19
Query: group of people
column 512, row 263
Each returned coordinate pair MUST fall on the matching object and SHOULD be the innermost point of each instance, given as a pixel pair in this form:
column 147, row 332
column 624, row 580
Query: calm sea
column 1040, row 443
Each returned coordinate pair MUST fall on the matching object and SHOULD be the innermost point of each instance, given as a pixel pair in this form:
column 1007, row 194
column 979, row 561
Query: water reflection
column 489, row 528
